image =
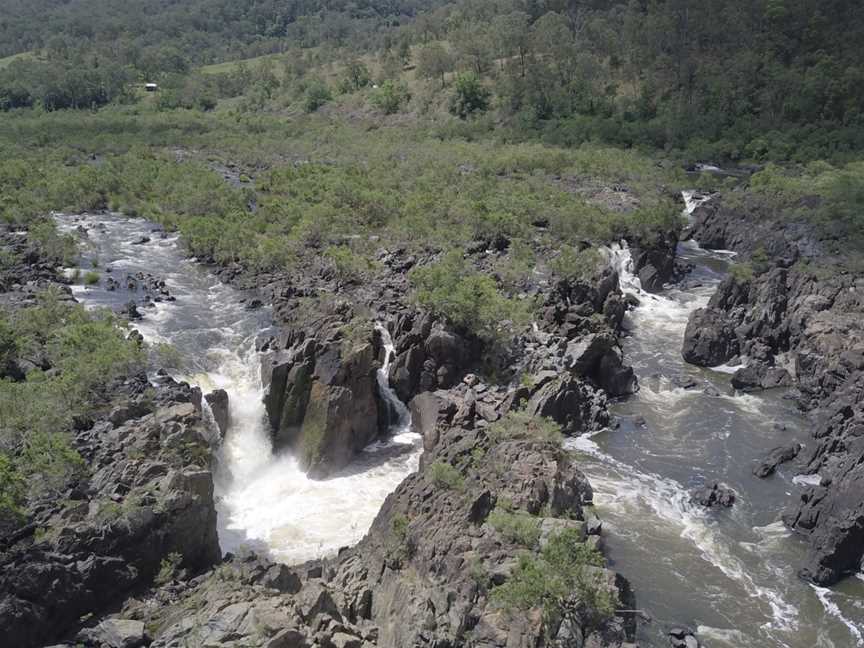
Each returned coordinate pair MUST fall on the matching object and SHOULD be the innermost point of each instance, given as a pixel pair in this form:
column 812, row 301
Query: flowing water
column 264, row 500
column 729, row 574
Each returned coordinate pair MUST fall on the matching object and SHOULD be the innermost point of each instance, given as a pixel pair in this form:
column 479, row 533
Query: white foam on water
column 728, row 369
column 632, row 491
column 721, row 636
column 807, row 480
column 272, row 501
column 831, row 608
column 263, row 499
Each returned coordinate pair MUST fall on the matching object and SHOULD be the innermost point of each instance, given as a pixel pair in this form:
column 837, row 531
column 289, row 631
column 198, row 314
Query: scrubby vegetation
column 516, row 526
column 58, row 362
column 467, row 298
column 563, row 581
column 444, row 475
column 519, row 424
column 832, row 196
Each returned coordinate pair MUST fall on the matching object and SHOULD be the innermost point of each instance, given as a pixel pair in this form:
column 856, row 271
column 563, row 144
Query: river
column 730, row 574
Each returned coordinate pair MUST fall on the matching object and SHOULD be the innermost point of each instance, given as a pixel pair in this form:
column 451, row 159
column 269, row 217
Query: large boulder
column 709, row 339
column 114, row 633
column 776, row 457
column 654, row 260
column 759, row 375
column 572, row 403
column 323, row 402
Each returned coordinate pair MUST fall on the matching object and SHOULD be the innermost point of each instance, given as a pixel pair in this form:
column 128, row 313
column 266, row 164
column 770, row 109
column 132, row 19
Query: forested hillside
column 712, row 78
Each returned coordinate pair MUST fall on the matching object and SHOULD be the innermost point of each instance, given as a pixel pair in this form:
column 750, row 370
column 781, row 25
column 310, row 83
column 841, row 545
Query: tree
column 357, row 74
column 317, row 94
column 433, row 62
column 404, row 52
column 512, row 37
column 474, row 45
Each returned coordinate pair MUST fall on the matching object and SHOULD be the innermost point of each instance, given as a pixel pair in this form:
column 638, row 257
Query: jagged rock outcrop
column 424, row 573
column 831, row 514
column 428, row 356
column 322, row 400
column 571, row 403
column 654, row 260
column 776, row 457
column 709, row 339
column 217, row 400
column 148, row 494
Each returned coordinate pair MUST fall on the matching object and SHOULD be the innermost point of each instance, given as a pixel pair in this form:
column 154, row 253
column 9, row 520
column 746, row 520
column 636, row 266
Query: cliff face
column 148, row 496
column 799, row 321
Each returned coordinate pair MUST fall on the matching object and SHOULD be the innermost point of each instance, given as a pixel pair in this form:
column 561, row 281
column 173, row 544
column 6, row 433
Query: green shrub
column 467, row 298
column 390, row 96
column 349, row 265
column 559, row 581
column 742, row 272
column 355, row 333
column 91, row 278
column 469, row 96
column 446, row 476
column 399, row 546
column 517, row 526
column 577, row 265
column 87, row 351
column 12, row 490
column 168, row 568
column 519, row 424
column 317, row 94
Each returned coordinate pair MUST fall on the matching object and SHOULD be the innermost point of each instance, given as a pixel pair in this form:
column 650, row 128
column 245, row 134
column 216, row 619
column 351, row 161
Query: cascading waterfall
column 264, row 500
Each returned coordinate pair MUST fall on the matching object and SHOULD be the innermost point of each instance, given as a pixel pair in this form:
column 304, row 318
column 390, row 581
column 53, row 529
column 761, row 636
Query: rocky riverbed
column 200, row 521
column 424, row 572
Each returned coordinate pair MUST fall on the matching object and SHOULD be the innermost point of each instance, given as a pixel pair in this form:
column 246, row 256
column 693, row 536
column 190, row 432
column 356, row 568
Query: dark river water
column 729, row 574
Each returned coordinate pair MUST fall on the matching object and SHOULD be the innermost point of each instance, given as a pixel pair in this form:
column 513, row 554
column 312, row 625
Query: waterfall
column 401, row 423
column 263, row 499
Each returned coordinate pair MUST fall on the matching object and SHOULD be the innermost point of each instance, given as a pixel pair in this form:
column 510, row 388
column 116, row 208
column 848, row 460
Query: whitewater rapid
column 264, row 501
column 728, row 574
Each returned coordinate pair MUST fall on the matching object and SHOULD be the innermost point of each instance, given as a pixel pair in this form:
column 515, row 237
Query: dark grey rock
column 776, row 457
